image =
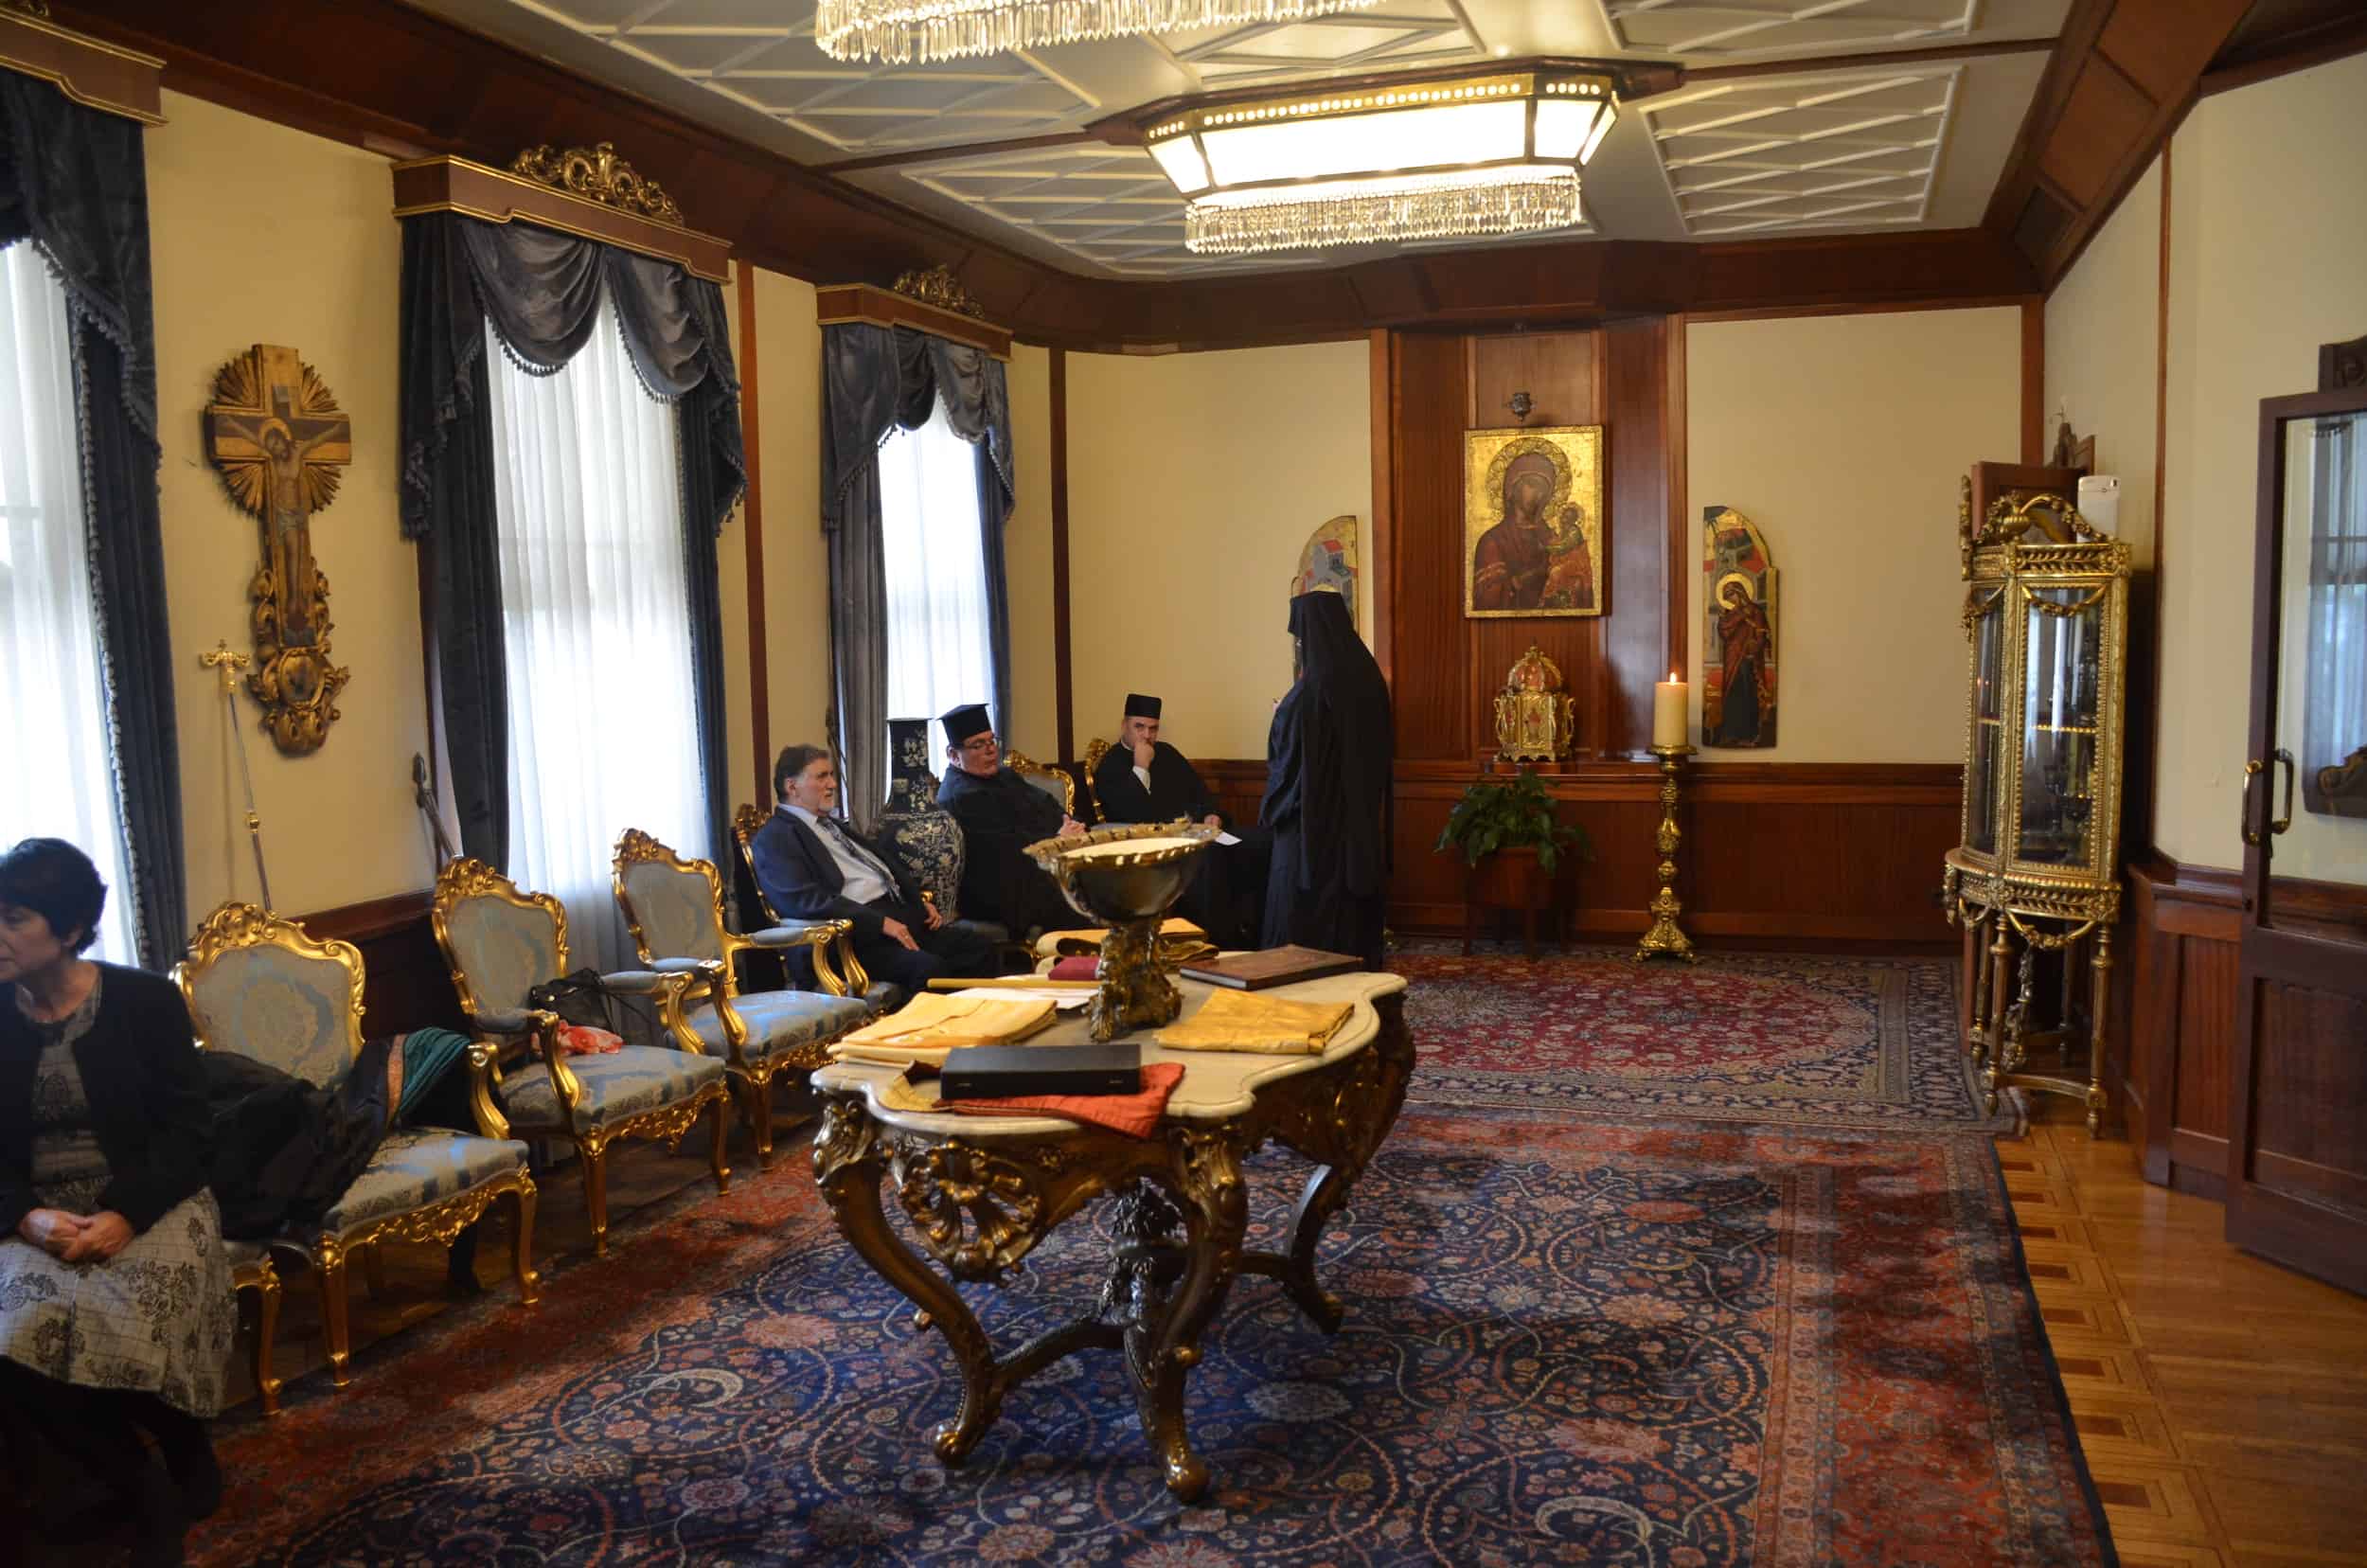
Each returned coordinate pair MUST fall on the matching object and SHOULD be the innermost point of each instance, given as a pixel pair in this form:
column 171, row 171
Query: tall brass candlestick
column 1664, row 940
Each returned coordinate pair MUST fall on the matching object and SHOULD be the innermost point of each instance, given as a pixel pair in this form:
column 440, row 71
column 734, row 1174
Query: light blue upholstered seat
column 262, row 986
column 779, row 1022
column 616, row 1084
column 414, row 1168
column 500, row 944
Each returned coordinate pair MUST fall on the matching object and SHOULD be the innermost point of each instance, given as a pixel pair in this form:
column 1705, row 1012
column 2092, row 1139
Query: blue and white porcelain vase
column 914, row 827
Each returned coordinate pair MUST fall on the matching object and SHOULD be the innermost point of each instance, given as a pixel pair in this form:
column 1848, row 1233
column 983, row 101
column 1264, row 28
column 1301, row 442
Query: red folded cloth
column 1085, row 966
column 1136, row 1116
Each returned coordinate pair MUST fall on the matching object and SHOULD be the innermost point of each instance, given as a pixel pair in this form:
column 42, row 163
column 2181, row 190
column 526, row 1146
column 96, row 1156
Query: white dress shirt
column 866, row 879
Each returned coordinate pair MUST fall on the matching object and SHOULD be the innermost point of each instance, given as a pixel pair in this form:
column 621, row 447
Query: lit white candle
column 1669, row 711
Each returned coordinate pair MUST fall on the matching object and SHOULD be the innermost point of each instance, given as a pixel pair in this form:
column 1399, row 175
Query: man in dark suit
column 812, row 865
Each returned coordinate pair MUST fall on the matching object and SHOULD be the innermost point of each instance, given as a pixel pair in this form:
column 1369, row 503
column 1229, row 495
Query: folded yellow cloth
column 1173, row 933
column 934, row 1023
column 1245, row 1021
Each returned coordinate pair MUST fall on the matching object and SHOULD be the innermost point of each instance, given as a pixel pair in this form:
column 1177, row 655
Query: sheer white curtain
column 604, row 734
column 52, row 702
column 2335, row 721
column 939, row 653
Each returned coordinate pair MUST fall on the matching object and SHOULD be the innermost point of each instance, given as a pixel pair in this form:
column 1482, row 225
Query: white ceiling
column 1862, row 149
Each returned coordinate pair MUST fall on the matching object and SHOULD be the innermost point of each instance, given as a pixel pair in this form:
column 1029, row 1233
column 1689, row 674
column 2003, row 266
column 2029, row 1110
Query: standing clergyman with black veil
column 1328, row 790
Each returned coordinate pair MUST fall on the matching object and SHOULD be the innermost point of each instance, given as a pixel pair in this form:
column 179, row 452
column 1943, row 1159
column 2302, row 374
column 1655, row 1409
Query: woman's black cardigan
column 147, row 1105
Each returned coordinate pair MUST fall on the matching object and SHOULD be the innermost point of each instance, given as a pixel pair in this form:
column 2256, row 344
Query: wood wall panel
column 1562, row 371
column 1432, row 691
column 2174, row 1071
column 406, row 985
column 1646, row 606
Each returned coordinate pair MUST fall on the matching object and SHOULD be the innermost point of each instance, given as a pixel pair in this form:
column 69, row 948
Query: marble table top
column 1218, row 1085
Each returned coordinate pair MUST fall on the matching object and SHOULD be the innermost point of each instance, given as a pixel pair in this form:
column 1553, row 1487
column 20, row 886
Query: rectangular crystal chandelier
column 901, row 31
column 1440, row 158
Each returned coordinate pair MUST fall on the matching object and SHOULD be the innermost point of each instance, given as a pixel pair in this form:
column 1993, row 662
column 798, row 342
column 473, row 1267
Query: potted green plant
column 1511, row 841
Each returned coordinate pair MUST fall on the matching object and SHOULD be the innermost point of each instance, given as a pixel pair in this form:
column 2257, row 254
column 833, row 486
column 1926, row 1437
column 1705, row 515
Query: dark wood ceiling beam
column 380, row 74
column 2123, row 75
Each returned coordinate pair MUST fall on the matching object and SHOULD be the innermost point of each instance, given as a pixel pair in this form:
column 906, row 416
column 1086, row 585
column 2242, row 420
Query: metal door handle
column 2284, row 760
column 2252, row 770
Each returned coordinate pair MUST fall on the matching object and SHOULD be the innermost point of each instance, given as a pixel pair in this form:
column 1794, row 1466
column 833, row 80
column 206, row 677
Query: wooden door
column 2297, row 1168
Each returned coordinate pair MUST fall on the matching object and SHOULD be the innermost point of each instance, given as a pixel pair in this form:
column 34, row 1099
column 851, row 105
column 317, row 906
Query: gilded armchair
column 258, row 984
column 1096, row 749
column 500, row 944
column 1054, row 782
column 674, row 908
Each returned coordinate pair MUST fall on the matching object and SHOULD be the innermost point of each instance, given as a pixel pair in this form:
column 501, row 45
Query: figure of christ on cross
column 283, row 442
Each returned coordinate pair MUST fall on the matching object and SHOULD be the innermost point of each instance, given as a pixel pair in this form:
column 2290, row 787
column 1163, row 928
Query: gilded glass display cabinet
column 2037, row 868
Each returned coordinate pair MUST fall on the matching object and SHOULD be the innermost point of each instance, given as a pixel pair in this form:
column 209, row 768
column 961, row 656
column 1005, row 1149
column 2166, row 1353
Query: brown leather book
column 1271, row 967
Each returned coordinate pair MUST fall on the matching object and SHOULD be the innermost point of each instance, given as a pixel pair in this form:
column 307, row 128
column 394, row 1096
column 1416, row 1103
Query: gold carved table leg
column 977, row 1209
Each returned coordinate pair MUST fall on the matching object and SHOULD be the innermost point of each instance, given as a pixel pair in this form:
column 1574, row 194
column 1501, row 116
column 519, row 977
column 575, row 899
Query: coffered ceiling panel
column 1844, row 149
column 1712, row 29
column 1395, row 34
column 1831, row 149
column 761, row 54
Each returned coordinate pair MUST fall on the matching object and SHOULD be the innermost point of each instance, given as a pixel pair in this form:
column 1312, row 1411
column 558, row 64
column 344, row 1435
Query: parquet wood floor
column 2221, row 1401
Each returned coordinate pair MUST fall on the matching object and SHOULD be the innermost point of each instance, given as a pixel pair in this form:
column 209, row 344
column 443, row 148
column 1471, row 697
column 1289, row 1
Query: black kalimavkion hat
column 964, row 722
column 1140, row 706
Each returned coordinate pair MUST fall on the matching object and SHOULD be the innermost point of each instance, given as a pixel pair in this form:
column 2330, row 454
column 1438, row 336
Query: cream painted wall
column 2260, row 276
column 1194, row 480
column 1843, row 438
column 1027, row 558
column 2102, row 348
column 796, row 565
column 320, row 275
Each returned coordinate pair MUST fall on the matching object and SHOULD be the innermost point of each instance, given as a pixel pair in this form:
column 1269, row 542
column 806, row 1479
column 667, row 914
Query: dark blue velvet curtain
column 541, row 292
column 74, row 181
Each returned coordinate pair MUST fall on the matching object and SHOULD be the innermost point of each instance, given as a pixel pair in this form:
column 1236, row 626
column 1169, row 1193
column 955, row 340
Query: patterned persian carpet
column 1568, row 1341
column 1775, row 1038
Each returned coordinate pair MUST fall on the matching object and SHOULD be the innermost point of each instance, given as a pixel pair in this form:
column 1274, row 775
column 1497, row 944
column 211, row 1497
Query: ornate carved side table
column 983, row 1191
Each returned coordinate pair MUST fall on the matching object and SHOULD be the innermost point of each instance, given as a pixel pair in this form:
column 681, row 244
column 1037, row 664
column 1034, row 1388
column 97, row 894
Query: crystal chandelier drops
column 900, row 31
column 1438, row 155
column 1485, row 207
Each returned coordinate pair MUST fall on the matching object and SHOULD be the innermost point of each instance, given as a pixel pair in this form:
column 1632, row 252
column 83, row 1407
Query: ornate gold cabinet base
column 2002, row 1033
column 979, row 1206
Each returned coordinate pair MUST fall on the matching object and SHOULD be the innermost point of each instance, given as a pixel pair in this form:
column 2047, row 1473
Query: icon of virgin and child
column 1538, row 557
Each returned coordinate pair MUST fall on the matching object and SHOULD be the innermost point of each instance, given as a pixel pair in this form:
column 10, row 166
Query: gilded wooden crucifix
column 277, row 435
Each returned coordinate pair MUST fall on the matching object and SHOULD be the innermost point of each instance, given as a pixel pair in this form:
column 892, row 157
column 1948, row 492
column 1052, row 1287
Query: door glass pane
column 2322, row 656
column 2059, row 724
column 1987, row 714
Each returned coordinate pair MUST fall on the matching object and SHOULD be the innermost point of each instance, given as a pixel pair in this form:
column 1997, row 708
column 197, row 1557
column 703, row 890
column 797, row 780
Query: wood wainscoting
column 2185, row 932
column 406, row 985
column 2187, row 927
column 1788, row 854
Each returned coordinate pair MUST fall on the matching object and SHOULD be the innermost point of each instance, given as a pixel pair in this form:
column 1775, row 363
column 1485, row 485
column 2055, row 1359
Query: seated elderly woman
column 117, row 1310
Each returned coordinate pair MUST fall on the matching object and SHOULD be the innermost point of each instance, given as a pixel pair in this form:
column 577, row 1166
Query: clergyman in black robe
column 1000, row 815
column 1327, row 797
column 1142, row 778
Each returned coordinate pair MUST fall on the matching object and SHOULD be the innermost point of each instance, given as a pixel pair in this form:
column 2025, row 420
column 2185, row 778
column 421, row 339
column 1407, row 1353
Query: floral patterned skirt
column 158, row 1317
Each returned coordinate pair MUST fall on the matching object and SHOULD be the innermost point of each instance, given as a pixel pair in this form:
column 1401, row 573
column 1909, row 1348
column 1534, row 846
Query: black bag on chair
column 582, row 997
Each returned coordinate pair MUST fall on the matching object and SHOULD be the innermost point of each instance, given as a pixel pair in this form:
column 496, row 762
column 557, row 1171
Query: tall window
column 939, row 653
column 2334, row 722
column 596, row 619
column 52, row 694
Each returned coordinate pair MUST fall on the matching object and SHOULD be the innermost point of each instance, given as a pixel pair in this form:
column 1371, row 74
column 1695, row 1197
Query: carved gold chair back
column 284, row 996
column 747, row 823
column 1052, row 782
column 1096, row 749
column 674, row 907
column 498, row 942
